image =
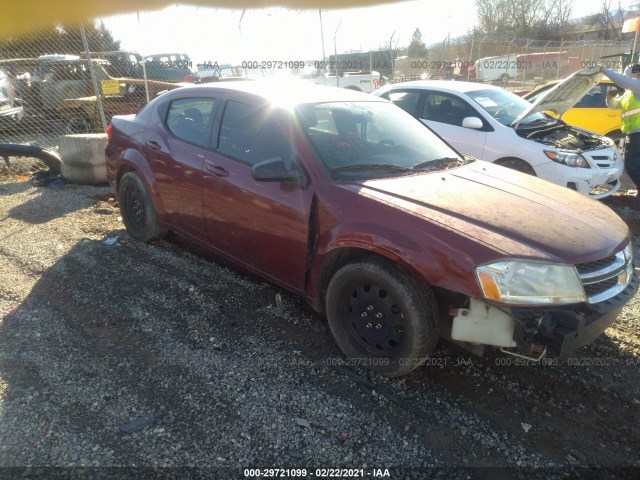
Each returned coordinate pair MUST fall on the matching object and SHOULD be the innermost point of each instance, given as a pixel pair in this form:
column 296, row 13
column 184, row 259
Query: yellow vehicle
column 591, row 112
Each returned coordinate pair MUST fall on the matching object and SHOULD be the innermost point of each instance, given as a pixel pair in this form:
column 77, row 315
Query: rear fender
column 131, row 159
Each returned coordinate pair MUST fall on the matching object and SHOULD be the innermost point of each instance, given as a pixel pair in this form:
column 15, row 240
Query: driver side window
column 444, row 108
column 250, row 134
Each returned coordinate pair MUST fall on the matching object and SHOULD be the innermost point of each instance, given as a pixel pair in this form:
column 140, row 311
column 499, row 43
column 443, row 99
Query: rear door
column 176, row 151
column 262, row 224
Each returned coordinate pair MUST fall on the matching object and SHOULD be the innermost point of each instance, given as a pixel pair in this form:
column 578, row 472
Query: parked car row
column 389, row 231
column 59, row 87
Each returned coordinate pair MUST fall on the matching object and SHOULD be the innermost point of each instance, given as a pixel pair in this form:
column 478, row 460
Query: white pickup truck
column 363, row 82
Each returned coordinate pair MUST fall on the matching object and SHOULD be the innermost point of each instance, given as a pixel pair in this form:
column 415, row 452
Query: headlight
column 530, row 283
column 567, row 158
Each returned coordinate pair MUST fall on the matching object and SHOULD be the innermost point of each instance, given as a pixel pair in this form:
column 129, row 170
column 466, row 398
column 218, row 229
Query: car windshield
column 373, row 140
column 505, row 106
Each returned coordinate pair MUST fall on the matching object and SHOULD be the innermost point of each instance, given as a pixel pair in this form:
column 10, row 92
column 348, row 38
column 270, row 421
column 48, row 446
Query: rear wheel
column 137, row 210
column 504, row 78
column 516, row 164
column 381, row 318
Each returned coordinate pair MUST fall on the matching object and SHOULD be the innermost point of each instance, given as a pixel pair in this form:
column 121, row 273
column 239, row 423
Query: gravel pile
column 169, row 361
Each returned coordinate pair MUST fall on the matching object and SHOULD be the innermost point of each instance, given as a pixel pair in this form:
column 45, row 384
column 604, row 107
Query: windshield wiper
column 371, row 167
column 442, row 163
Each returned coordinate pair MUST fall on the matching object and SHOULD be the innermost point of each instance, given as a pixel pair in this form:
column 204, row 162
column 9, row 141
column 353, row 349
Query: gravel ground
column 163, row 360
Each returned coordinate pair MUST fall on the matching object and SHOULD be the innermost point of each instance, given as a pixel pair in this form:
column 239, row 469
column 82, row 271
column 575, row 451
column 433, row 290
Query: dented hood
column 516, row 214
column 565, row 94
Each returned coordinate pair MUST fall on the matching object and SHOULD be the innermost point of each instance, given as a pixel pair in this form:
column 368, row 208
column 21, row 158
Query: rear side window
column 250, row 134
column 189, row 120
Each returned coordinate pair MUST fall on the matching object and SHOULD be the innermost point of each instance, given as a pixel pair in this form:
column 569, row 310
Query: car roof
column 445, row 85
column 282, row 91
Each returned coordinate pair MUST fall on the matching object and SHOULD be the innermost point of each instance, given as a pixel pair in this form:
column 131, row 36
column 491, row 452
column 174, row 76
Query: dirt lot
column 167, row 360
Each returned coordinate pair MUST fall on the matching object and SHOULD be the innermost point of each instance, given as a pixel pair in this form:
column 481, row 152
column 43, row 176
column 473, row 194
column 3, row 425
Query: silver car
column 11, row 112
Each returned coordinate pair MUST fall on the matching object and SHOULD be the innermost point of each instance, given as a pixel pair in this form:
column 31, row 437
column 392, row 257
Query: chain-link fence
column 520, row 62
column 49, row 80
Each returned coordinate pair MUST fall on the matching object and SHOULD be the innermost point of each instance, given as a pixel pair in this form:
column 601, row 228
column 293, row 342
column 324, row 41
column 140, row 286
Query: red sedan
column 347, row 200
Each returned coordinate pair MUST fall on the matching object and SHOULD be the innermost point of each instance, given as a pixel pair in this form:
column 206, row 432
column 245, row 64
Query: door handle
column 152, row 145
column 217, row 170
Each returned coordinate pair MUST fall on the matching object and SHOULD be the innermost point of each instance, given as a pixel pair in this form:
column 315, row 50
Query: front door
column 262, row 224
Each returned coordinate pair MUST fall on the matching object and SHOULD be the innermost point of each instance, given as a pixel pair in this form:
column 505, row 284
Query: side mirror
column 472, row 122
column 276, row 170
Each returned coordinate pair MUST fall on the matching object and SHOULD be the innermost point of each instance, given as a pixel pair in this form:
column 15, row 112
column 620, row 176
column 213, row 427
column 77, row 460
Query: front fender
column 429, row 260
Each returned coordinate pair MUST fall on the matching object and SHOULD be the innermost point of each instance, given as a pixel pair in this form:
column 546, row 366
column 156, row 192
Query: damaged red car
column 349, row 201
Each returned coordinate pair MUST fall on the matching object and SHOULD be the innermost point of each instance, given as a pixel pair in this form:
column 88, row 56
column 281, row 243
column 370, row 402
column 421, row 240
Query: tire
column 504, row 79
column 137, row 210
column 381, row 318
column 517, row 164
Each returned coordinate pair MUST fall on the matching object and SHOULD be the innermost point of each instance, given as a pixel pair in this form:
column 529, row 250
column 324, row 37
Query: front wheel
column 137, row 210
column 381, row 318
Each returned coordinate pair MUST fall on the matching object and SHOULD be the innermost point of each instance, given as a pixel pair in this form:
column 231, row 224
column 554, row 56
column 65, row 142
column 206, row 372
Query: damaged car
column 492, row 124
column 350, row 202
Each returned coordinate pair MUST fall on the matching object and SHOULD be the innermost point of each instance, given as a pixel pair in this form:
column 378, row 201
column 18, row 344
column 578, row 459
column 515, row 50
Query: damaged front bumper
column 564, row 330
column 528, row 331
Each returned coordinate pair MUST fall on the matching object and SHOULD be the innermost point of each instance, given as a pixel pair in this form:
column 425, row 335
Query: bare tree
column 523, row 17
column 611, row 18
column 555, row 19
column 492, row 16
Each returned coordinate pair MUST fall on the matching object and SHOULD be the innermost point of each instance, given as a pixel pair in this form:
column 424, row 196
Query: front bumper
column 596, row 182
column 563, row 330
column 11, row 116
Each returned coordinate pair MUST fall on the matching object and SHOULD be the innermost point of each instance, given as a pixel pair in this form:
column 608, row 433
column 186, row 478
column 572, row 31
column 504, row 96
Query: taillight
column 109, row 133
column 188, row 78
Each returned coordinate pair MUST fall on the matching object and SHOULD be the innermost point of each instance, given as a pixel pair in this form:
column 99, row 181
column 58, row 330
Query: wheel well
column 515, row 160
column 123, row 169
column 353, row 87
column 336, row 259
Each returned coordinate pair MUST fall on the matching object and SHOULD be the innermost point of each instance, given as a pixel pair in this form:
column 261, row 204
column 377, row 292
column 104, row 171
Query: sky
column 229, row 36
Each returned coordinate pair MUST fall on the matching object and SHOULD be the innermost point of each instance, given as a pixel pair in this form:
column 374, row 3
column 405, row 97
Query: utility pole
column 335, row 51
column 324, row 57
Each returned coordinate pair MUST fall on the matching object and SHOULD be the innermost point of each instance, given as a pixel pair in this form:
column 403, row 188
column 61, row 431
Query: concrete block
column 83, row 157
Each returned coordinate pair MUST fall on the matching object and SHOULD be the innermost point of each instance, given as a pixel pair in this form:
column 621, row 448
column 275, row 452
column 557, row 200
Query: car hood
column 565, row 94
column 510, row 212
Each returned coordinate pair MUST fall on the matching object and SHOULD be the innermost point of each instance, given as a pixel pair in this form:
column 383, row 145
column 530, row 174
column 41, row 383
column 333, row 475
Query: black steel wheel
column 381, row 318
column 137, row 210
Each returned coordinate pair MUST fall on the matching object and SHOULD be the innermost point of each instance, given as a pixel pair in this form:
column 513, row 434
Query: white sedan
column 492, row 124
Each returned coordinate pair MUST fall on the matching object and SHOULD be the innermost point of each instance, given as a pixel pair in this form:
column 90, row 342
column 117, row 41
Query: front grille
column 605, row 278
column 596, row 265
column 600, row 287
column 603, row 161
